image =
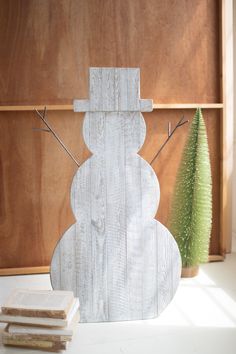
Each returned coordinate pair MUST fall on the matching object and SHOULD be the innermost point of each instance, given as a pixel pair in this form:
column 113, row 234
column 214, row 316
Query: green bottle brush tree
column 191, row 212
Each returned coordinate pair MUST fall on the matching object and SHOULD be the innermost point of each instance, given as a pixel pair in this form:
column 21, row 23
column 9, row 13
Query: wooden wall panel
column 35, row 185
column 46, row 48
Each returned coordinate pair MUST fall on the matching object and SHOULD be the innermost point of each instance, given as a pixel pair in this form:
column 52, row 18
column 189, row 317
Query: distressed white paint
column 120, row 261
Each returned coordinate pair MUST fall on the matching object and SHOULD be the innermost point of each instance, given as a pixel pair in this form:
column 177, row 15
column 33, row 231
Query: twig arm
column 51, row 130
column 170, row 134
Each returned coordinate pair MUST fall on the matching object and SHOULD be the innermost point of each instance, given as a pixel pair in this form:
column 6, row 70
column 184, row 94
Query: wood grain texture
column 111, row 91
column 120, row 262
column 23, row 271
column 46, row 48
column 26, row 155
column 35, row 204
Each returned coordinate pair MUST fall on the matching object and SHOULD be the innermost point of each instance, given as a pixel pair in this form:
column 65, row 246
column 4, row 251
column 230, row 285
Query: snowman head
column 114, row 109
column 114, row 132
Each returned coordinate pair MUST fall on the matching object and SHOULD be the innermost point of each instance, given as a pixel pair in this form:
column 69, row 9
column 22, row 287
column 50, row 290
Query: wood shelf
column 24, row 270
column 50, row 107
column 187, row 105
column 69, row 107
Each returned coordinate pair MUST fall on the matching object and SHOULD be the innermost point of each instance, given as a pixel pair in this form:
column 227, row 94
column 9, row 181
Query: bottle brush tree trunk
column 191, row 212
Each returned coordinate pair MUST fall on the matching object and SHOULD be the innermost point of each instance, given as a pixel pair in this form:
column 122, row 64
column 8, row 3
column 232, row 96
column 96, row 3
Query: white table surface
column 201, row 319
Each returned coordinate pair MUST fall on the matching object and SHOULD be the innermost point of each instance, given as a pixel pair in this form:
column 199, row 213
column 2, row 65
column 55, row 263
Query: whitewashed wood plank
column 149, row 187
column 117, row 90
column 116, row 215
column 169, row 266
column 134, row 137
column 84, row 246
column 133, row 79
column 123, row 90
column 149, row 297
column 126, row 265
column 146, row 105
column 110, row 90
column 98, row 217
column 81, row 105
column 63, row 258
column 84, row 105
column 95, row 89
column 107, row 103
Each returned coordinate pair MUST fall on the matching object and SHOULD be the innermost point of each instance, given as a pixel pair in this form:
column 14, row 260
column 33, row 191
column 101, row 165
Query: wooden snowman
column 119, row 261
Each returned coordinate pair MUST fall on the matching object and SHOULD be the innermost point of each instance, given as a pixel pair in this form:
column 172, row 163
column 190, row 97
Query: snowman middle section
column 120, row 261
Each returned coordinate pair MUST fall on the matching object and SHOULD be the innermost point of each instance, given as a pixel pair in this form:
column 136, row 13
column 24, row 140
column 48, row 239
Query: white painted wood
column 81, row 105
column 121, row 262
column 112, row 90
column 146, row 105
column 201, row 319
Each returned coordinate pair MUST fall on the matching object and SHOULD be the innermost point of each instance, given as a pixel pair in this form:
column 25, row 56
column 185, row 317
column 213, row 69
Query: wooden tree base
column 189, row 272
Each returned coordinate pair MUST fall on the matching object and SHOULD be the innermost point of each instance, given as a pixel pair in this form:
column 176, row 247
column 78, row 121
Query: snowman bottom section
column 129, row 276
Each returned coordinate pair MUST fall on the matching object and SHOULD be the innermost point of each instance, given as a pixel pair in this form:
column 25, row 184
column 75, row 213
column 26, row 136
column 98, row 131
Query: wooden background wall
column 46, row 48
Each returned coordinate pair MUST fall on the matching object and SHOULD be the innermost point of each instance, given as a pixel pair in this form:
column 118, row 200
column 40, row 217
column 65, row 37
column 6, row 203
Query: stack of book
column 39, row 319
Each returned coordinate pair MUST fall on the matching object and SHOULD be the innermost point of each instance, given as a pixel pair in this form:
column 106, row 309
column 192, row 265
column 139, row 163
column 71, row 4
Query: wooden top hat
column 114, row 90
